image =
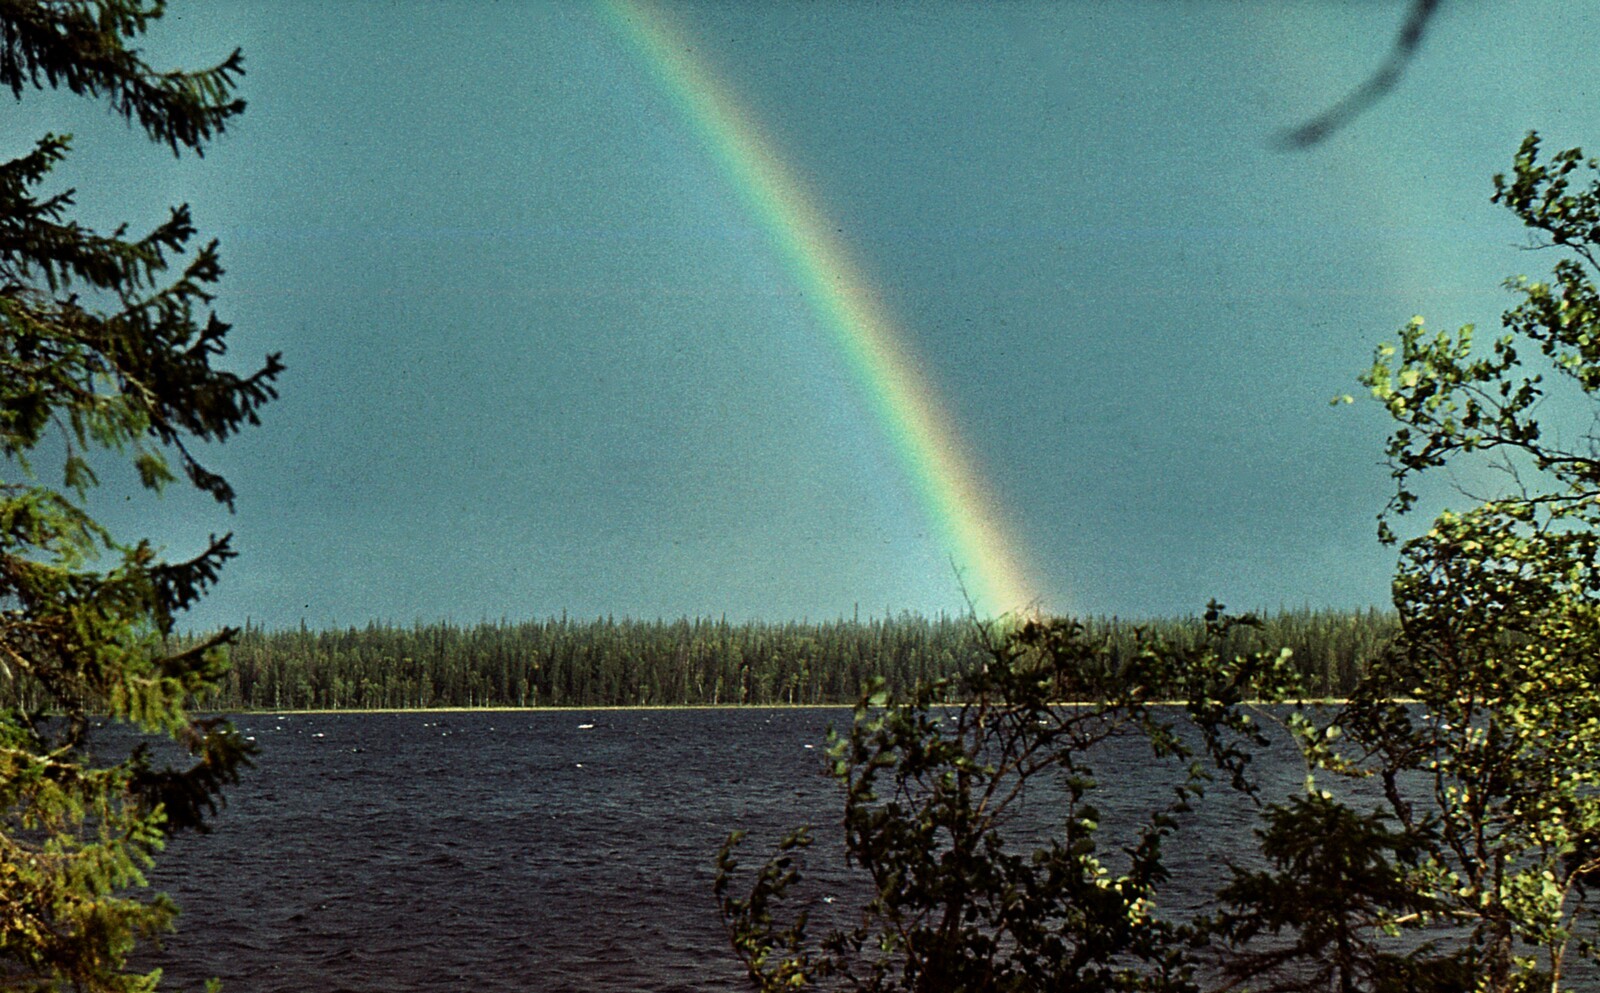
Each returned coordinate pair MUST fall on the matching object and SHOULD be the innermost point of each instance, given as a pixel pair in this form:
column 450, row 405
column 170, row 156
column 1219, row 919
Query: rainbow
column 950, row 492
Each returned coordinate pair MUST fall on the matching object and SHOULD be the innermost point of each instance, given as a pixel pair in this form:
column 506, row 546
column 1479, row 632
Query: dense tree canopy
column 566, row 662
column 108, row 348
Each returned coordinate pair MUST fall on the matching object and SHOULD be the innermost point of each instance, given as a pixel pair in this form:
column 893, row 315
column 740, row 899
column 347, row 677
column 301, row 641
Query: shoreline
column 543, row 708
column 574, row 708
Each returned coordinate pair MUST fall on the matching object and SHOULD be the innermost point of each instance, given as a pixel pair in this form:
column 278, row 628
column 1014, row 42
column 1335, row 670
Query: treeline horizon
column 565, row 662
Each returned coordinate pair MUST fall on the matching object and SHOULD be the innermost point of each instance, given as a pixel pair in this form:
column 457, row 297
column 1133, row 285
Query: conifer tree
column 108, row 351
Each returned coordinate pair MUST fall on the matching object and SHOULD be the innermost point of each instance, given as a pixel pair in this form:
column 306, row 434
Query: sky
column 798, row 310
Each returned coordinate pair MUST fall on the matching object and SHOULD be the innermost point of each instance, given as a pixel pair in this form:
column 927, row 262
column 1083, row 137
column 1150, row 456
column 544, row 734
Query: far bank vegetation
column 564, row 662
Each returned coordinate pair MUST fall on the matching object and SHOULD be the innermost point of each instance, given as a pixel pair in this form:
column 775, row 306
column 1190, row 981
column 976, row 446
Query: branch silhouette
column 1387, row 76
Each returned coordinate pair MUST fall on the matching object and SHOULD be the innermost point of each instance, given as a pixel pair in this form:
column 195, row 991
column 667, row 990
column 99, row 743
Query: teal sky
column 540, row 358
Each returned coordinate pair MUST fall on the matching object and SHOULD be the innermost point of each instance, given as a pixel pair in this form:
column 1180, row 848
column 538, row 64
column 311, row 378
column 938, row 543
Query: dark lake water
column 550, row 851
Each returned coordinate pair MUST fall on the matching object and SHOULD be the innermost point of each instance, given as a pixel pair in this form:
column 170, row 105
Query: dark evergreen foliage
column 608, row 662
column 562, row 662
column 84, row 46
column 107, row 345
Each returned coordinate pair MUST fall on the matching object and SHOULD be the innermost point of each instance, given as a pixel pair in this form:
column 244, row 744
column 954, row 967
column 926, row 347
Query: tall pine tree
column 108, row 350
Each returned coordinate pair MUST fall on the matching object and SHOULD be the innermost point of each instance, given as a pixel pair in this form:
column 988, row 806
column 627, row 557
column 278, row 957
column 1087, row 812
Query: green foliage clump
column 1493, row 774
column 106, row 346
column 936, row 782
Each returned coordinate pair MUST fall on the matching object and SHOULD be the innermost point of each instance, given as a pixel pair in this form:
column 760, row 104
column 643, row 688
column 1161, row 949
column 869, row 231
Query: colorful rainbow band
column 948, row 489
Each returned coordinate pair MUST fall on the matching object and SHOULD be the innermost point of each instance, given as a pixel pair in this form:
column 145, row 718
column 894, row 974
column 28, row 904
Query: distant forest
column 603, row 662
column 565, row 662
